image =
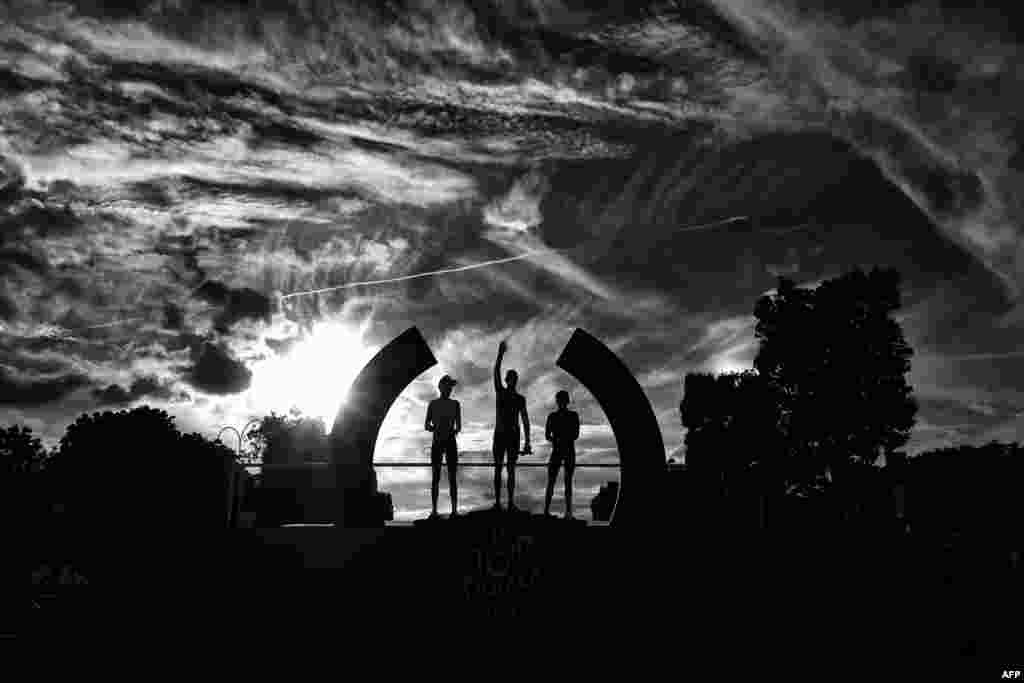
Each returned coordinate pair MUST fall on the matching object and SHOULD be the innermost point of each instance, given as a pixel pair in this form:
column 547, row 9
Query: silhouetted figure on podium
column 510, row 406
column 444, row 419
column 562, row 430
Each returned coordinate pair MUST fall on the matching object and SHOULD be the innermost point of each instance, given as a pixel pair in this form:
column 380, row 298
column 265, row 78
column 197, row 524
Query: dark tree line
column 127, row 468
column 826, row 404
column 134, row 468
column 967, row 492
column 828, row 391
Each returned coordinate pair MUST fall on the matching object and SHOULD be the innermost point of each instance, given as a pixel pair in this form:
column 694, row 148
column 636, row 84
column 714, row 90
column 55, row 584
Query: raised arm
column 497, row 366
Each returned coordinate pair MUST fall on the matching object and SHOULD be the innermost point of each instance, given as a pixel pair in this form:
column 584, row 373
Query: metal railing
column 419, row 463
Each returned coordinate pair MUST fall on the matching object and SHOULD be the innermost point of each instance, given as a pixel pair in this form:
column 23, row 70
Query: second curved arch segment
column 633, row 422
column 355, row 430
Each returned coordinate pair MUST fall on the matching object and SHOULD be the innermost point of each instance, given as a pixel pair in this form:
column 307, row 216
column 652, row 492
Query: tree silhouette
column 286, row 494
column 22, row 457
column 20, row 452
column 135, row 468
column 732, row 439
column 295, row 439
column 837, row 360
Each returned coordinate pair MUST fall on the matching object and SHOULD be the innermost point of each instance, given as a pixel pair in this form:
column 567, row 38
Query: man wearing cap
column 510, row 407
column 444, row 419
column 562, row 430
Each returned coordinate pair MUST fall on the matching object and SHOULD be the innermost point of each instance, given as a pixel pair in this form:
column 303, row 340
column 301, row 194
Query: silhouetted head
column 511, row 379
column 562, row 398
column 445, row 384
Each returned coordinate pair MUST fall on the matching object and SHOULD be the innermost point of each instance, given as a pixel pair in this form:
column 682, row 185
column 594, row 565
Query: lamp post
column 232, row 474
column 238, row 451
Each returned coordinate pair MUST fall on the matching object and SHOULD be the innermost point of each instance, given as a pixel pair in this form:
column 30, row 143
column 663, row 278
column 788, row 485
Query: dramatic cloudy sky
column 169, row 170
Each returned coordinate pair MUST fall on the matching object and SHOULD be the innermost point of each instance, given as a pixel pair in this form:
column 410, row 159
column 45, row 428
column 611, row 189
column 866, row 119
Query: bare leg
column 552, row 475
column 511, row 481
column 453, row 487
column 435, row 480
column 568, row 491
column 498, row 462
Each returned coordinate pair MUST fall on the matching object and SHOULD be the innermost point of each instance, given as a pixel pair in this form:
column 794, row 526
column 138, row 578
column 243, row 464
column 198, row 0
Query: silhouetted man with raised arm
column 562, row 430
column 510, row 406
column 444, row 419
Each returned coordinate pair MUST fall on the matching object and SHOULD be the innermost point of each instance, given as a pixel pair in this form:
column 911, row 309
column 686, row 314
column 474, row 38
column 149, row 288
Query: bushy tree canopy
column 295, row 439
column 837, row 361
column 20, row 451
column 136, row 466
column 731, row 423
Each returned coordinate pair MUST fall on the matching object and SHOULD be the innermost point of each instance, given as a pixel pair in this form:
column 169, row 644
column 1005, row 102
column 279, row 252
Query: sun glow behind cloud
column 314, row 376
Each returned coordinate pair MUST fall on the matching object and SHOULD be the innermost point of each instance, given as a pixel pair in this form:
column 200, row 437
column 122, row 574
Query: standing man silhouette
column 510, row 406
column 444, row 419
column 562, row 430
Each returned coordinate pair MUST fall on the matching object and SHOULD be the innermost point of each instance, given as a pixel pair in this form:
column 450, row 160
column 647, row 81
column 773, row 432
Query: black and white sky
column 170, row 170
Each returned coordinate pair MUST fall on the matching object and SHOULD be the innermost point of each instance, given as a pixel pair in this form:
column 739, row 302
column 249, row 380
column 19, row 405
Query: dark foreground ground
column 860, row 601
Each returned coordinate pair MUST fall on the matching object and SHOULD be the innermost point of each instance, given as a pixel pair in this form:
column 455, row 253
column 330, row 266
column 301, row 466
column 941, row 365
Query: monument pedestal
column 483, row 564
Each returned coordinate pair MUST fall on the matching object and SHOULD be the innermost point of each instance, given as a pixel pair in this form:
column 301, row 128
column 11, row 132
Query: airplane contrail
column 111, row 324
column 482, row 264
column 442, row 271
column 413, row 276
column 70, row 333
column 704, row 226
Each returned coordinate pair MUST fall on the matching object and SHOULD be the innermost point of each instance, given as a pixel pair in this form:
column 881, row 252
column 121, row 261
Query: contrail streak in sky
column 442, row 271
column 715, row 224
column 482, row 264
column 431, row 273
column 70, row 333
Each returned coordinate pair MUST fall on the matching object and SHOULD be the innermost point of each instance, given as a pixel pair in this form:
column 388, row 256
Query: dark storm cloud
column 190, row 83
column 32, row 260
column 14, row 83
column 236, row 304
column 19, row 390
column 112, row 394
column 141, row 387
column 174, row 318
column 35, row 219
column 268, row 189
column 12, row 177
column 215, row 370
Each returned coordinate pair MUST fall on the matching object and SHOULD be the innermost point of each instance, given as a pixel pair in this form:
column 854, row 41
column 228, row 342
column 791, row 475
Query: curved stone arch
column 632, row 419
column 354, row 433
